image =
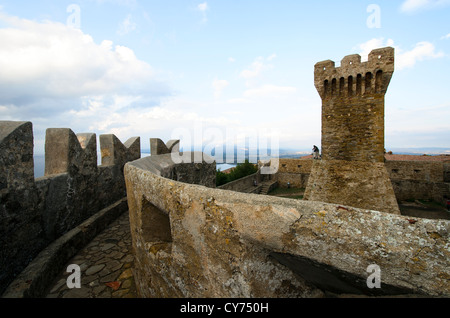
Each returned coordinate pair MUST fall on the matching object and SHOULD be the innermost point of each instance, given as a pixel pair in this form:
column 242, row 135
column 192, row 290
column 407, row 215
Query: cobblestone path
column 106, row 266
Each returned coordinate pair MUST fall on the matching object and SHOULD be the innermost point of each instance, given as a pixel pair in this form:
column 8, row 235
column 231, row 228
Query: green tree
column 221, row 178
column 242, row 170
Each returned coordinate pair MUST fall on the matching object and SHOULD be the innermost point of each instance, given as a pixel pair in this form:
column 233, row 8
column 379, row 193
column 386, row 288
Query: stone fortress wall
column 420, row 179
column 193, row 240
column 34, row 213
column 411, row 179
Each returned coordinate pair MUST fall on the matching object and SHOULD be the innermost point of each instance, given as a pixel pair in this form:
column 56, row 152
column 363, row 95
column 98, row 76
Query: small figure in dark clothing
column 316, row 152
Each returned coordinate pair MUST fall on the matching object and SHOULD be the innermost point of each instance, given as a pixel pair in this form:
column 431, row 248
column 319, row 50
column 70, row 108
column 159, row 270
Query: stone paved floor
column 106, row 266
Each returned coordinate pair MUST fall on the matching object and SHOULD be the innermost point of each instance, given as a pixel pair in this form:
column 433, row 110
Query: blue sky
column 209, row 68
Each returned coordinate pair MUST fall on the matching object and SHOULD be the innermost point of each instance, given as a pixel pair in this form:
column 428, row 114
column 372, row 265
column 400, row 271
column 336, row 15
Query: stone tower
column 352, row 170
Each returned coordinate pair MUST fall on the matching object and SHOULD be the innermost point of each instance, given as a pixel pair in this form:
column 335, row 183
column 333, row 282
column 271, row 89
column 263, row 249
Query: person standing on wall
column 316, row 152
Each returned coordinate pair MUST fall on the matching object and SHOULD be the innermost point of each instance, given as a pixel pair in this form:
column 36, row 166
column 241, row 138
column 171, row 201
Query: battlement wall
column 419, row 180
column 35, row 212
column 410, row 179
column 194, row 241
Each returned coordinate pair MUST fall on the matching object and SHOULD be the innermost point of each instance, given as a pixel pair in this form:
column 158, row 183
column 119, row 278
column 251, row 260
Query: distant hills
column 420, row 151
column 39, row 159
column 298, row 153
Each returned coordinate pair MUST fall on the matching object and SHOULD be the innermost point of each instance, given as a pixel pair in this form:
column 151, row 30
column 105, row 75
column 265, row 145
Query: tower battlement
column 355, row 78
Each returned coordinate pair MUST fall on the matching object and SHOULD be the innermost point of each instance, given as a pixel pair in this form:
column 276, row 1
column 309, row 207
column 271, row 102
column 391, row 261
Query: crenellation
column 16, row 155
column 158, row 147
column 353, row 77
column 66, row 152
column 114, row 152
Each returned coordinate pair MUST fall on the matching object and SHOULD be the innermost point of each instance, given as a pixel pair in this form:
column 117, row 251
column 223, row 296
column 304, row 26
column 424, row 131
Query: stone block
column 114, row 152
column 66, row 152
column 158, row 147
column 16, row 155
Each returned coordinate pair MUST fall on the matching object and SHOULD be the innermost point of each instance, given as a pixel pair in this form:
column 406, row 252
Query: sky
column 213, row 71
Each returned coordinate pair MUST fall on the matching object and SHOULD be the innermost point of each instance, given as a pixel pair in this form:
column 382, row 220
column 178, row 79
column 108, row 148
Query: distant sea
column 39, row 166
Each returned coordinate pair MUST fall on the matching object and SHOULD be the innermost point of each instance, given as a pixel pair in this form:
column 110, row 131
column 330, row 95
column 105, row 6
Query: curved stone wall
column 194, row 241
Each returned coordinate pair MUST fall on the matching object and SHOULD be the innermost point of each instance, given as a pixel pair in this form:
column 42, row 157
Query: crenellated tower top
column 355, row 78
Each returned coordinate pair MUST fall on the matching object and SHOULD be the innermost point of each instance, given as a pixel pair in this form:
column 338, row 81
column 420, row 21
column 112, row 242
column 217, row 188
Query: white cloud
column 219, row 86
column 403, row 59
column 271, row 57
column 410, row 6
column 51, row 60
column 422, row 51
column 366, row 47
column 57, row 76
column 126, row 26
column 446, row 37
column 231, row 60
column 203, row 7
column 257, row 67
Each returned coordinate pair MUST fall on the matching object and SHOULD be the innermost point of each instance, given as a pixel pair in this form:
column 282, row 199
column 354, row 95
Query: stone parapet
column 194, row 241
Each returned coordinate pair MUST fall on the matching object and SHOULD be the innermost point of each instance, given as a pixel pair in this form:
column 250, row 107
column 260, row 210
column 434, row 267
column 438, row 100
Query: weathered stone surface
column 19, row 222
column 115, row 153
column 192, row 167
column 295, row 172
column 357, row 184
column 158, row 147
column 16, row 155
column 411, row 179
column 36, row 278
column 228, row 244
column 66, row 152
